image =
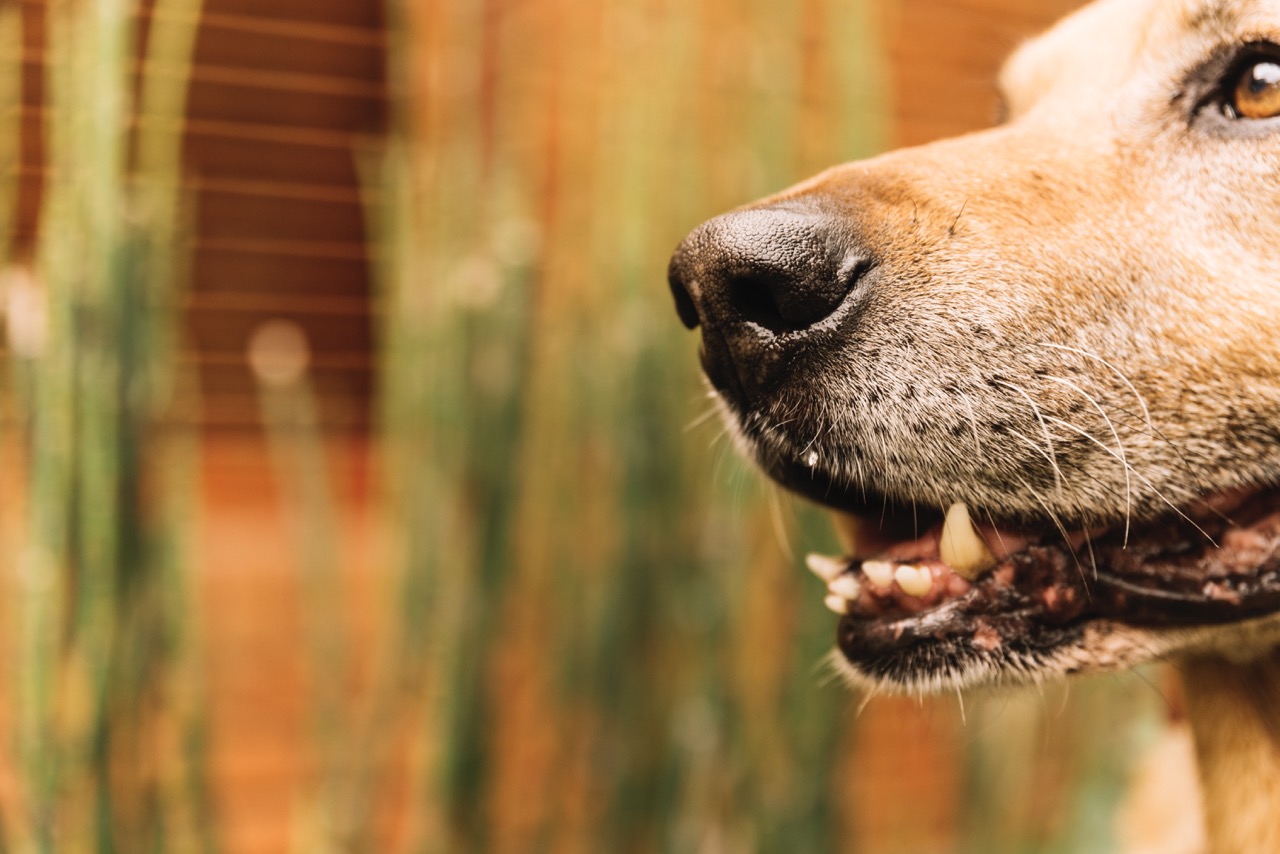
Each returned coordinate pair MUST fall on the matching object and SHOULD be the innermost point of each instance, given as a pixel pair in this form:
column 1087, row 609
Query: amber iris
column 1257, row 94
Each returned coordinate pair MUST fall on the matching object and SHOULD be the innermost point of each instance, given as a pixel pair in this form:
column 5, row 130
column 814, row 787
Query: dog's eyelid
column 1210, row 87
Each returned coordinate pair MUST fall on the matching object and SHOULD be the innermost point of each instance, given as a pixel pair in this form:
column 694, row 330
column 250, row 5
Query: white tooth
column 914, row 580
column 846, row 587
column 960, row 547
column 837, row 604
column 849, row 532
column 878, row 572
column 826, row 568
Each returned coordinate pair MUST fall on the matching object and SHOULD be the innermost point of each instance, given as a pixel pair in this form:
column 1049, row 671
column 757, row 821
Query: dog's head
column 1036, row 369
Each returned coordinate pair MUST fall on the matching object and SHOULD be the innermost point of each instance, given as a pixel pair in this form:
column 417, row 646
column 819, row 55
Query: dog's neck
column 1234, row 709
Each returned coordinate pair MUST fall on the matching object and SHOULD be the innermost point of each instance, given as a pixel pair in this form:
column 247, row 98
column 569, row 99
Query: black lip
column 1170, row 574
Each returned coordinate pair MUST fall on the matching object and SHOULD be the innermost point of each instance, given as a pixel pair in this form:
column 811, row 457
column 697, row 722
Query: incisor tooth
column 837, row 604
column 878, row 572
column 960, row 547
column 914, row 580
column 846, row 587
column 826, row 568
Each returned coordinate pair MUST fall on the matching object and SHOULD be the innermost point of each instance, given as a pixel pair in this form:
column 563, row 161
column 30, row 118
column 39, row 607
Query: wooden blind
column 283, row 94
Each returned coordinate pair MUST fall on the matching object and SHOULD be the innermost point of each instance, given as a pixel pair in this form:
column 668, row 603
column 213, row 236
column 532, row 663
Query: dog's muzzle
column 767, row 285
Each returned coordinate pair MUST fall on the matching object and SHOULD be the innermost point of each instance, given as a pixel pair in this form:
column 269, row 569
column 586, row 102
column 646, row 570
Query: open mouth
column 925, row 595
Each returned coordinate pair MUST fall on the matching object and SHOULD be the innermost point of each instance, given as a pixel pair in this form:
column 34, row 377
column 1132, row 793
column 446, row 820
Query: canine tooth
column 846, row 587
column 837, row 604
column 826, row 568
column 878, row 572
column 960, row 547
column 914, row 580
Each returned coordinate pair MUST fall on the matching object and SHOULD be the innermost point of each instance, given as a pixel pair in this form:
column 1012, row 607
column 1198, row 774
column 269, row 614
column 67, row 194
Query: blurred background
column 360, row 492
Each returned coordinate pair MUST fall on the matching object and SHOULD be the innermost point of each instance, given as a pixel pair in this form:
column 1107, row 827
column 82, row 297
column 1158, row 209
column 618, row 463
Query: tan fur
column 1234, row 709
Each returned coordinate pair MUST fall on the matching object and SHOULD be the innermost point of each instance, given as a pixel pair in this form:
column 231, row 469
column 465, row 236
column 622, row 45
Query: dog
column 1035, row 370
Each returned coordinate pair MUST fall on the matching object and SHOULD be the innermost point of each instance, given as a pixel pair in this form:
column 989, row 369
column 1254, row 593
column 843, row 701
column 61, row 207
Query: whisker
column 701, row 419
column 973, row 424
column 1033, row 445
column 779, row 523
column 1142, row 403
column 1181, row 452
column 995, row 528
column 1057, row 522
column 1146, row 413
column 1128, row 487
column 1093, row 558
column 1140, row 477
column 870, row 694
column 1053, row 459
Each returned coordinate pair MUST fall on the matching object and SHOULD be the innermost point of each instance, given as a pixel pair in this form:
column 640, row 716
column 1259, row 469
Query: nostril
column 760, row 298
column 686, row 308
column 782, row 300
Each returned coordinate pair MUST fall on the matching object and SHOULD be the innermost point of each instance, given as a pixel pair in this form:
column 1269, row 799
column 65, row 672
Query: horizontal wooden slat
column 351, row 361
column 295, row 248
column 33, row 177
column 258, row 44
column 231, row 94
column 259, row 302
column 303, row 29
column 292, row 226
column 257, row 152
column 242, row 411
column 256, row 104
column 230, row 379
column 246, row 47
column 230, row 330
column 228, row 216
column 345, row 14
column 223, row 268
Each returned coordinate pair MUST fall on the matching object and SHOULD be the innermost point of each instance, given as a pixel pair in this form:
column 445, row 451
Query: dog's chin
column 1044, row 600
column 1094, row 646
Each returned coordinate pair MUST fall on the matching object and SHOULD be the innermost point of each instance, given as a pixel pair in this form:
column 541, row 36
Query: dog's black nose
column 761, row 282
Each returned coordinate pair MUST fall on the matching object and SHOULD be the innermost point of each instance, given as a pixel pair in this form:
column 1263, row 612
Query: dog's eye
column 1257, row 92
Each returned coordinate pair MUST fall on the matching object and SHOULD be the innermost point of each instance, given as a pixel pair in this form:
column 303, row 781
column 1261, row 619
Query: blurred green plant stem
column 107, row 685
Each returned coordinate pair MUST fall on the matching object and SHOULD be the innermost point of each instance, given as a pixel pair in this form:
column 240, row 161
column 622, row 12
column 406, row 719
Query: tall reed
column 107, row 686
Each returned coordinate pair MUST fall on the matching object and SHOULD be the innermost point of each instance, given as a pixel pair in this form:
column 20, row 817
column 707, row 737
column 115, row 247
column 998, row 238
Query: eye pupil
column 1257, row 92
